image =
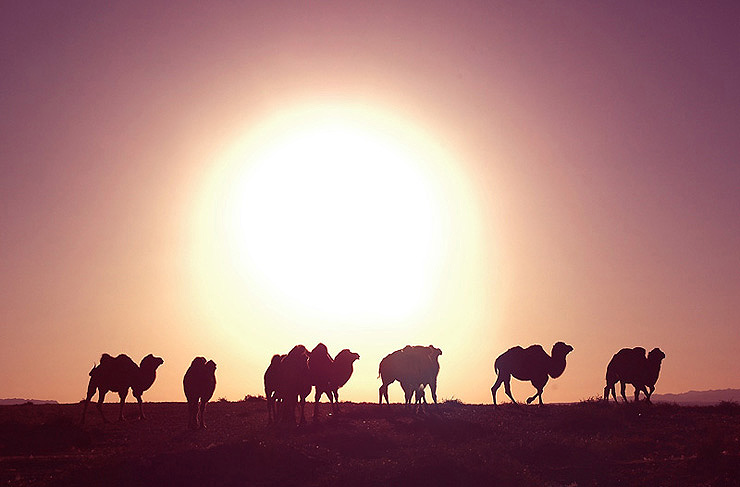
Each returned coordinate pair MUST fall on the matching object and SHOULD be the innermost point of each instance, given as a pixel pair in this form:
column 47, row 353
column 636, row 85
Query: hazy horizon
column 230, row 180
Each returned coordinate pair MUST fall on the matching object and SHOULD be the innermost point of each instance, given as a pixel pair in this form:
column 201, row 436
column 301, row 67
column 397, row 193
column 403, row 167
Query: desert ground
column 582, row 444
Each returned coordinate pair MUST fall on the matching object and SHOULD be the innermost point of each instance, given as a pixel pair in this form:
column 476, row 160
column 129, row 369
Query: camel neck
column 557, row 366
column 654, row 373
column 147, row 378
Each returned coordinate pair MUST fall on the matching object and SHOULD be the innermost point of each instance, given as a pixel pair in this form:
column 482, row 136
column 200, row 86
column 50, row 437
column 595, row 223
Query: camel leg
column 101, row 398
column 539, row 384
column 316, row 400
column 622, row 388
column 202, row 413
column 84, row 410
column 433, row 388
column 507, row 389
column 287, row 410
column 421, row 399
column 303, row 409
column 121, row 395
column 421, row 395
column 408, row 393
column 86, row 403
column 494, row 388
column 637, row 394
column 606, row 392
column 538, row 394
column 644, row 390
column 141, row 405
column 335, row 394
column 192, row 413
column 270, row 408
column 383, row 393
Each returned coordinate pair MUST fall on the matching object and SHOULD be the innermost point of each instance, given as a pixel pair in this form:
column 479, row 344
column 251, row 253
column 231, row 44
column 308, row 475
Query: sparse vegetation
column 586, row 444
column 250, row 398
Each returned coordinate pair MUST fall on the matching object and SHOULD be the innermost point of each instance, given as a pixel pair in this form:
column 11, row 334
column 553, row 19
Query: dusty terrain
column 582, row 444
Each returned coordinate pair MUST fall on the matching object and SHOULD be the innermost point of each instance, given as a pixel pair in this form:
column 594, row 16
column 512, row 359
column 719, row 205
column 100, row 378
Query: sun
column 340, row 214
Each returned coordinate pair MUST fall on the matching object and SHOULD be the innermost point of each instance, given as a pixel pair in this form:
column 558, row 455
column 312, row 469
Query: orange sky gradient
column 581, row 163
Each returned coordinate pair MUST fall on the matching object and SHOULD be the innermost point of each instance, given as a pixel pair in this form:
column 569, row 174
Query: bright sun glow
column 332, row 215
column 337, row 218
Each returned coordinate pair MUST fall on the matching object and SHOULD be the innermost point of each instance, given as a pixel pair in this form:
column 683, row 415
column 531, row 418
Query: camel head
column 210, row 366
column 347, row 356
column 434, row 352
column 151, row 362
column 656, row 355
column 561, row 349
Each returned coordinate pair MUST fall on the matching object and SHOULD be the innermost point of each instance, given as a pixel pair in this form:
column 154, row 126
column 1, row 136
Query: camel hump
column 211, row 365
column 276, row 359
column 534, row 348
column 298, row 350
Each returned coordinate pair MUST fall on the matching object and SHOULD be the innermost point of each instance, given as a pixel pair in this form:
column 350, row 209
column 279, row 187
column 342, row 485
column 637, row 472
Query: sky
column 230, row 179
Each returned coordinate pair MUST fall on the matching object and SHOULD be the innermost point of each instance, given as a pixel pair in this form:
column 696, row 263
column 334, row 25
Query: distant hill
column 13, row 401
column 700, row 397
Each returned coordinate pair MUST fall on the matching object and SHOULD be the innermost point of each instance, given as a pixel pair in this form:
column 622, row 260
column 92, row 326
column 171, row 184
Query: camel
column 531, row 364
column 341, row 371
column 414, row 367
column 328, row 374
column 272, row 380
column 199, row 383
column 118, row 374
column 630, row 366
column 320, row 365
column 431, row 373
column 291, row 382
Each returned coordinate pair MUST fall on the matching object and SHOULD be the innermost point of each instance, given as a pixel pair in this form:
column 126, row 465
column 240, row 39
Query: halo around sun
column 341, row 214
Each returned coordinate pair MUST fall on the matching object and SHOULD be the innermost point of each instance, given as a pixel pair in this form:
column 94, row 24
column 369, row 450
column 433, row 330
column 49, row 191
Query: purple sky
column 601, row 139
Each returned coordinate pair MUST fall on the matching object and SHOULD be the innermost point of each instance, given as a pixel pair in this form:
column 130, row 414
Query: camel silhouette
column 531, row 364
column 631, row 366
column 288, row 382
column 118, row 374
column 341, row 371
column 413, row 367
column 199, row 384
